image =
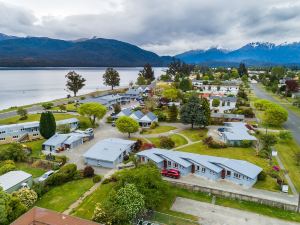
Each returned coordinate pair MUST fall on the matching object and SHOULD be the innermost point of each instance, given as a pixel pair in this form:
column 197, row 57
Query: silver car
column 46, row 175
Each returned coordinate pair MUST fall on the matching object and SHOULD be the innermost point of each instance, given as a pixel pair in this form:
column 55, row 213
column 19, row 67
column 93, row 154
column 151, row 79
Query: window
column 198, row 167
column 15, row 136
column 2, row 139
column 175, row 165
column 237, row 176
column 228, row 173
column 2, row 132
column 143, row 159
column 228, row 103
column 169, row 163
column 203, row 170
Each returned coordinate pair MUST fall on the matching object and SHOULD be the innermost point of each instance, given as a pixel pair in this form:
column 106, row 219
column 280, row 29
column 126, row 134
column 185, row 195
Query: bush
column 166, row 142
column 161, row 116
column 62, row 107
column 88, row 171
column 146, row 146
column 6, row 168
column 285, row 135
column 42, row 164
column 63, row 175
column 63, row 128
column 154, row 125
column 126, row 157
column 13, row 152
column 84, row 124
column 262, row 176
column 246, row 144
column 40, row 188
column 27, row 196
column 137, row 146
column 97, row 178
column 210, row 142
column 61, row 159
column 109, row 119
column 47, row 105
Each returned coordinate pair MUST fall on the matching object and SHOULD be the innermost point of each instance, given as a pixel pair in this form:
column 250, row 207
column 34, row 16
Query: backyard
column 178, row 140
column 35, row 172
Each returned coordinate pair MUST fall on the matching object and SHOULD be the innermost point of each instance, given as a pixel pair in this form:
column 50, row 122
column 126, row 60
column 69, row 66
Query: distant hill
column 256, row 54
column 41, row 52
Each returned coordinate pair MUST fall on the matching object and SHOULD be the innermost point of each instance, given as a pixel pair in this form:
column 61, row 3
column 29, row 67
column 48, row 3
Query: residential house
column 108, row 153
column 148, row 119
column 28, row 131
column 136, row 115
column 227, row 117
column 213, row 168
column 108, row 100
column 41, row 216
column 14, row 180
column 145, row 120
column 235, row 133
column 134, row 93
column 226, row 104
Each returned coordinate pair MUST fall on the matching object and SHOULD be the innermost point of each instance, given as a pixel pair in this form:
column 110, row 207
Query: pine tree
column 206, row 109
column 173, row 113
column 47, row 125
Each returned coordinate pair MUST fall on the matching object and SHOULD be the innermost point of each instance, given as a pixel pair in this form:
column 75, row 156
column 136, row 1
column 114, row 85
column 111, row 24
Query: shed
column 13, row 180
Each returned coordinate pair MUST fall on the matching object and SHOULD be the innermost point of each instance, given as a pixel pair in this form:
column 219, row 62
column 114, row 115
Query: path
column 210, row 214
column 293, row 122
column 86, row 194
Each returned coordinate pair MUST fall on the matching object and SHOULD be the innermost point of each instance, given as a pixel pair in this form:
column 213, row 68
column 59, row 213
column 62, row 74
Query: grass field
column 61, row 197
column 159, row 130
column 178, row 139
column 194, row 134
column 35, row 172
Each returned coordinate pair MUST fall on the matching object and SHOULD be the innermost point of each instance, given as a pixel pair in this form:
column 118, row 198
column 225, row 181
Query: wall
column 233, row 195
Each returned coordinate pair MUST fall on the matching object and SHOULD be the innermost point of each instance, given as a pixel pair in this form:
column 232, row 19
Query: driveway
column 293, row 122
column 210, row 214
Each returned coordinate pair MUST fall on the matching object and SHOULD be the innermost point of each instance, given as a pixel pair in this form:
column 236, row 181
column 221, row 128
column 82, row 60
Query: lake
column 27, row 86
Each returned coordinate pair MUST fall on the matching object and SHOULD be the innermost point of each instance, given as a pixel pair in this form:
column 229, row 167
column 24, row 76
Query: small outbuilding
column 14, row 180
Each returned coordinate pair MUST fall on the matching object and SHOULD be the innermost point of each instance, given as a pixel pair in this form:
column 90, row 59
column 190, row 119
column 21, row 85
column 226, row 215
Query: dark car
column 173, row 173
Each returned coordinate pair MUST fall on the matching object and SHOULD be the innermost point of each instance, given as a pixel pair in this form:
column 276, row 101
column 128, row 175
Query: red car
column 171, row 173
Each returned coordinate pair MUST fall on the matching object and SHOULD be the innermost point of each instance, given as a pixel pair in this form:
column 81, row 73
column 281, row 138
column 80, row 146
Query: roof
column 133, row 91
column 125, row 112
column 12, row 178
column 58, row 139
column 67, row 121
column 237, row 131
column 228, row 116
column 211, row 162
column 108, row 149
column 104, row 100
column 149, row 117
column 222, row 98
column 138, row 114
column 21, row 125
column 41, row 216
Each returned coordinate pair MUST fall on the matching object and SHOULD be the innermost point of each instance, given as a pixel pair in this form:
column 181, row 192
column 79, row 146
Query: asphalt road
column 293, row 122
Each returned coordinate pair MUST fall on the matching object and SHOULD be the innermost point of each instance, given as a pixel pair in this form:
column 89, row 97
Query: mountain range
column 96, row 52
column 253, row 54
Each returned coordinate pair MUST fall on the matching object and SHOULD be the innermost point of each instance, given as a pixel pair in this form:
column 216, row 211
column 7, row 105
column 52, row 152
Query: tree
column 205, row 107
column 74, row 82
column 47, row 125
column 117, row 108
column 63, row 128
column 141, row 80
column 111, row 78
column 47, row 105
column 185, row 85
column 126, row 124
column 277, row 73
column 173, row 113
column 242, row 70
column 216, row 102
column 93, row 111
column 291, row 86
column 275, row 116
column 194, row 113
column 267, row 141
column 13, row 152
column 22, row 113
column 88, row 171
column 166, row 142
column 27, row 196
column 170, row 93
column 234, row 73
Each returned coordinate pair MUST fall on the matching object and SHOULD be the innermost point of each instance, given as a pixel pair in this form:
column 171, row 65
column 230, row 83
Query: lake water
column 23, row 87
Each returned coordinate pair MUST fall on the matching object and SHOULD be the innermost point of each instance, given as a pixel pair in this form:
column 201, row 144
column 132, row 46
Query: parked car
column 173, row 173
column 46, row 175
column 113, row 124
column 89, row 130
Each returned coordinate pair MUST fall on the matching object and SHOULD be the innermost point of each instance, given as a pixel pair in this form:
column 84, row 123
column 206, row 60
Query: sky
column 166, row 27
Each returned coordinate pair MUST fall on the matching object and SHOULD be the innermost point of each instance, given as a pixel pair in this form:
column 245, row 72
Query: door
column 223, row 173
column 193, row 168
column 165, row 164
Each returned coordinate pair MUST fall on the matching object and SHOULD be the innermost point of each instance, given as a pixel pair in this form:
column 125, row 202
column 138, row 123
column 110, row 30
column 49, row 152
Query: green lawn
column 61, row 197
column 70, row 107
column 194, row 134
column 35, row 172
column 86, row 208
column 159, row 130
column 287, row 151
column 178, row 139
column 36, row 147
column 247, row 154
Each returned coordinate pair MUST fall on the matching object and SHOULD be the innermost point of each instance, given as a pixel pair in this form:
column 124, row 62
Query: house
column 134, row 93
column 41, row 216
column 228, row 117
column 213, row 168
column 235, row 133
column 28, row 131
column 124, row 112
column 108, row 100
column 108, row 153
column 226, row 104
column 227, row 88
column 136, row 115
column 14, row 180
column 148, row 119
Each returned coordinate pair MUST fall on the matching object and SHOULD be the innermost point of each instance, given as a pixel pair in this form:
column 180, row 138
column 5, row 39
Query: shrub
column 84, row 124
column 262, row 176
column 88, row 171
column 6, row 168
column 154, row 125
column 47, row 105
column 166, row 142
column 285, row 135
column 63, row 128
column 126, row 157
column 40, row 188
column 62, row 107
column 64, row 174
column 27, row 196
column 246, row 143
column 61, row 159
column 82, row 97
column 109, row 119
column 209, row 141
column 13, row 152
column 97, row 178
column 161, row 116
column 137, row 146
column 42, row 164
column 146, row 146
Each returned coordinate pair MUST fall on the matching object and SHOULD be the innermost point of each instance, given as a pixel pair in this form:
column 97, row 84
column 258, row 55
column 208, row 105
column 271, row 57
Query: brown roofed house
column 41, row 216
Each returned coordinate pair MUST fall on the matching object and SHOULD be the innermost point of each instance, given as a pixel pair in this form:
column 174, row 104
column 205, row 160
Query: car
column 113, row 124
column 173, row 173
column 89, row 130
column 46, row 175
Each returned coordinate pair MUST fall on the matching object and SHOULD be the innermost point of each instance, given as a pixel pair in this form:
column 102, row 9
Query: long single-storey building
column 214, row 168
column 108, row 100
column 14, row 180
column 28, row 131
column 108, row 152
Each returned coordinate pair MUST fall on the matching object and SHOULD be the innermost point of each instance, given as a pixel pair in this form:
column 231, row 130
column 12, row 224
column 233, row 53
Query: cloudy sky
column 162, row 26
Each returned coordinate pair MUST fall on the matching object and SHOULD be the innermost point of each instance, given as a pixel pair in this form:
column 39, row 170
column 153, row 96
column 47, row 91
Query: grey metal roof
column 108, row 149
column 12, row 178
column 237, row 131
column 125, row 112
column 149, row 117
column 210, row 162
column 133, row 91
column 138, row 114
column 228, row 116
column 59, row 139
column 67, row 121
column 224, row 98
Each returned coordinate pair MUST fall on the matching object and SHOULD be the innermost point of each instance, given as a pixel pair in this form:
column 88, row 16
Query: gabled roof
column 108, row 149
column 67, row 121
column 237, row 131
column 12, row 178
column 58, row 139
column 125, row 112
column 133, row 91
column 149, row 117
column 211, row 162
column 138, row 114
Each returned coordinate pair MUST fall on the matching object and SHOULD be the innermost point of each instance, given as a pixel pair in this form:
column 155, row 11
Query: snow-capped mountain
column 255, row 53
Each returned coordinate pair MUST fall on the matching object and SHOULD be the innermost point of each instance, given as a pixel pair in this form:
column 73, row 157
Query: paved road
column 210, row 214
column 293, row 122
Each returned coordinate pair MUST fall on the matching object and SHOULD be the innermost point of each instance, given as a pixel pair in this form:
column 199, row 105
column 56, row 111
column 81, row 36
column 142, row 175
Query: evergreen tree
column 194, row 113
column 47, row 124
column 242, row 70
column 74, row 82
column 185, row 85
column 147, row 73
column 206, row 109
column 173, row 113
